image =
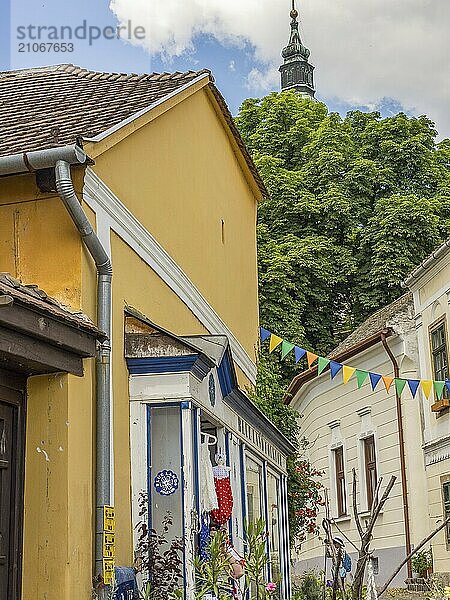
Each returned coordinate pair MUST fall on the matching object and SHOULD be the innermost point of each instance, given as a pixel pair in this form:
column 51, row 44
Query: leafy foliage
column 213, row 575
column 160, row 556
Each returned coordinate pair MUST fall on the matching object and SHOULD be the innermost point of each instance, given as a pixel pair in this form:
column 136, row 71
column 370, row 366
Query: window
column 439, row 359
column 370, row 464
column 339, row 468
column 446, row 500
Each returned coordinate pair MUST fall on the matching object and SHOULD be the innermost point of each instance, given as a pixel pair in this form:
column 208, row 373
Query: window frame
column 369, row 466
column 340, row 482
column 445, row 482
column 432, row 329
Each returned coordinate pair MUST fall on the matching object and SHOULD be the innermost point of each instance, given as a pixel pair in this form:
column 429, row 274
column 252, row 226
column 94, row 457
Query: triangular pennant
column 286, row 347
column 400, row 385
column 322, row 364
column 264, row 334
column 413, row 386
column 347, row 373
column 388, row 381
column 311, row 357
column 299, row 353
column 447, row 385
column 439, row 388
column 275, row 341
column 361, row 376
column 374, row 379
column 426, row 386
column 335, row 367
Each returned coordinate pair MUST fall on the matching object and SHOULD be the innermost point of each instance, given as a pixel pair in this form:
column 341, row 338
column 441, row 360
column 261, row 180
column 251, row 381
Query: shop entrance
column 12, row 437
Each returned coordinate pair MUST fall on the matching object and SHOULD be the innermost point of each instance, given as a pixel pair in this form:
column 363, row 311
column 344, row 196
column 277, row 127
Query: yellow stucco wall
column 180, row 176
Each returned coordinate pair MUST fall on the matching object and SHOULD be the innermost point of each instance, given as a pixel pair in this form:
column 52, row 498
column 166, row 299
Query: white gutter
column 426, row 264
column 144, row 111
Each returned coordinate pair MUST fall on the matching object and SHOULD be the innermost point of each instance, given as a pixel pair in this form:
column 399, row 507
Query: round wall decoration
column 166, row 483
column 212, row 390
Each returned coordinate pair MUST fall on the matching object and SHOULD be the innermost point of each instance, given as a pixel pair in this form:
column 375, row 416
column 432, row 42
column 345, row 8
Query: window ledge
column 342, row 519
column 365, row 514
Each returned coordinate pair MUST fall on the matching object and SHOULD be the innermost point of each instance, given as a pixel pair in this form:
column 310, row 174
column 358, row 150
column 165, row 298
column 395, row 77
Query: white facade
column 342, row 421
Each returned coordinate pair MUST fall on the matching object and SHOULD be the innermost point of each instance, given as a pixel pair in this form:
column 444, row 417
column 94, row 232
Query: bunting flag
column 286, row 347
column 439, row 388
column 361, row 377
column 374, row 379
column 335, row 367
column 400, row 386
column 427, row 385
column 264, row 334
column 299, row 353
column 347, row 373
column 388, row 381
column 275, row 341
column 322, row 364
column 311, row 357
column 413, row 386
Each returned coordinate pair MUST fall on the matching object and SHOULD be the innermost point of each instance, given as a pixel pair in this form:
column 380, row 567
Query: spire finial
column 294, row 11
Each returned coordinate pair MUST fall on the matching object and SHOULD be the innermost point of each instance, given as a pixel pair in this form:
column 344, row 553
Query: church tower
column 296, row 72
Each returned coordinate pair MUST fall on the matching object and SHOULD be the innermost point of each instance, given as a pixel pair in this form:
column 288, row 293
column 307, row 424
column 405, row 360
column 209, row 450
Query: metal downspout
column 402, row 453
column 66, row 191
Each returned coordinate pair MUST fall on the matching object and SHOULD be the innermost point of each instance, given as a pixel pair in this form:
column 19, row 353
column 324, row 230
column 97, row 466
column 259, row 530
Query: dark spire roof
column 296, row 72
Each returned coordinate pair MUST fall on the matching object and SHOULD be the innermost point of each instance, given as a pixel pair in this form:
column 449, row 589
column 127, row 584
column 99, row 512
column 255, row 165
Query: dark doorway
column 12, row 443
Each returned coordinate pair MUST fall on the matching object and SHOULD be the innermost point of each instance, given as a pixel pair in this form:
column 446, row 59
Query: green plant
column 213, row 575
column 422, row 562
column 159, row 555
column 309, row 587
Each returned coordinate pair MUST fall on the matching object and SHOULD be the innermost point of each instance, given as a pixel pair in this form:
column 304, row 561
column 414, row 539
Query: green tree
column 354, row 204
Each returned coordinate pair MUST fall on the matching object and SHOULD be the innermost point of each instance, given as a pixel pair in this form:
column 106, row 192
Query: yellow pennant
column 347, row 373
column 311, row 357
column 275, row 341
column 388, row 381
column 426, row 386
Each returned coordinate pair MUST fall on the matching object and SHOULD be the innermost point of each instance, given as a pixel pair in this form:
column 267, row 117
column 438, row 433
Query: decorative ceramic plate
column 166, row 483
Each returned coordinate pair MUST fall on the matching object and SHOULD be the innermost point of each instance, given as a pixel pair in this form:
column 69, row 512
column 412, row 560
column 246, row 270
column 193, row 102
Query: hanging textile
column 224, row 493
column 371, row 593
column 204, row 537
column 208, row 495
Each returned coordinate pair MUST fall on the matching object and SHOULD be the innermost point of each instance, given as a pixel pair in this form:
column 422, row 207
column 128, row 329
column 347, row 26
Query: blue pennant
column 447, row 385
column 299, row 353
column 264, row 333
column 413, row 386
column 335, row 367
column 374, row 379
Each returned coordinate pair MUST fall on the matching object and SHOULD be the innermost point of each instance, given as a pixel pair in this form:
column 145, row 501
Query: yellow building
column 155, row 165
column 430, row 286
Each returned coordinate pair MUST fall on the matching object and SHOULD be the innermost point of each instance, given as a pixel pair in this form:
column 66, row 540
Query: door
column 12, row 438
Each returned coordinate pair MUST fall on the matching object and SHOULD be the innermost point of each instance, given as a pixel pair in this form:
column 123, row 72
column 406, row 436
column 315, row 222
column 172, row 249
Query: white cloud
column 363, row 50
column 232, row 66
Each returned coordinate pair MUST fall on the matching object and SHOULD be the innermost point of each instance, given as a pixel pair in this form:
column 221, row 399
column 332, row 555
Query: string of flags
column 348, row 372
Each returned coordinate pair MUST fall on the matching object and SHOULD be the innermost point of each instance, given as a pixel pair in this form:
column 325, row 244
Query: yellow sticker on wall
column 109, row 520
column 108, row 571
column 108, row 545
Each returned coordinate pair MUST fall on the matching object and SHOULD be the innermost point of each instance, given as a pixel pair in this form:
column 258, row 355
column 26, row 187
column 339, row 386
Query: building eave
column 426, row 264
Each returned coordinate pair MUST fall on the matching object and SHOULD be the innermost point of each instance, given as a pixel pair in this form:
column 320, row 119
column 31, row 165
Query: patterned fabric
column 224, row 497
column 204, row 537
column 208, row 496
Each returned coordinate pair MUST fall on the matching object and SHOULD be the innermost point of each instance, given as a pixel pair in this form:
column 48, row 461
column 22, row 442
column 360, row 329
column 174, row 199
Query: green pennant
column 400, row 385
column 322, row 364
column 439, row 388
column 361, row 376
column 286, row 347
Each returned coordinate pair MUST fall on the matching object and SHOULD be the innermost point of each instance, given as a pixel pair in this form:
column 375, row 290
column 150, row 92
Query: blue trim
column 226, row 376
column 185, row 405
column 196, row 436
column 265, row 508
column 149, row 467
column 182, row 500
column 243, row 489
column 227, row 455
column 165, row 364
column 286, row 564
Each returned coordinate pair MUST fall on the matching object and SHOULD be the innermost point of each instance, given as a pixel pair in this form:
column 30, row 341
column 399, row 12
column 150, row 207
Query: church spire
column 296, row 72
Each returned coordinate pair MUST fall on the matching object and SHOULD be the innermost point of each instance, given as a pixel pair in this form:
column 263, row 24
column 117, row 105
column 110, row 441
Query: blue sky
column 243, row 56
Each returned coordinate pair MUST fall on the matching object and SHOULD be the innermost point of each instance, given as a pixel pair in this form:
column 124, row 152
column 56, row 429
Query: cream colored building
column 430, row 286
column 351, row 427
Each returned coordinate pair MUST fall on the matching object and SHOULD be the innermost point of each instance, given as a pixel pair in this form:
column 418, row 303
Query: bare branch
column 411, row 554
column 355, row 507
column 381, row 503
column 375, row 494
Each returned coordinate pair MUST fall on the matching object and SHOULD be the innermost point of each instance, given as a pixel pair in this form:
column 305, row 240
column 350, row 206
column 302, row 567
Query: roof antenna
column 294, row 11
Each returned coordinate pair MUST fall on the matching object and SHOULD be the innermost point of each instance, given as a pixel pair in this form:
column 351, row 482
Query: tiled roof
column 375, row 323
column 52, row 106
column 35, row 298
